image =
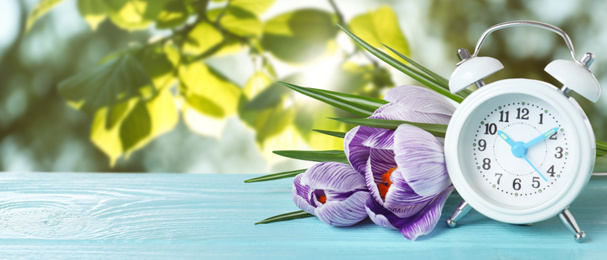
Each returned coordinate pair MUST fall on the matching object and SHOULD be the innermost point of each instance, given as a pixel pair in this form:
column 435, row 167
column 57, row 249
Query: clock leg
column 459, row 213
column 571, row 224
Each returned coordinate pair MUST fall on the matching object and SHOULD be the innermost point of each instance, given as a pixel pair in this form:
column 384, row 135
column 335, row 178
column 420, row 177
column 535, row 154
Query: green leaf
column 270, row 97
column 256, row 7
column 331, row 133
column 380, row 26
column 419, row 76
column 438, row 79
column 601, row 148
column 437, row 130
column 173, row 14
column 315, row 156
column 275, row 176
column 241, row 22
column 208, row 91
column 93, row 11
column 202, row 38
column 39, row 10
column 117, row 80
column 134, row 14
column 299, row 36
column 286, row 216
column 125, row 127
column 154, row 59
column 361, row 106
column 600, row 165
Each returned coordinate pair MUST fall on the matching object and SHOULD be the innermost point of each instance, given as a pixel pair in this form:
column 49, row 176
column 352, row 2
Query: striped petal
column 421, row 161
column 301, row 193
column 420, row 99
column 344, row 213
column 355, row 151
column 332, row 176
column 399, row 111
column 426, row 220
column 381, row 139
column 401, row 199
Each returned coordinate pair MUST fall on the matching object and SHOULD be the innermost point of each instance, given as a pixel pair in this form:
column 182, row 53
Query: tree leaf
column 39, row 10
column 380, row 26
column 419, row 76
column 241, row 22
column 437, row 130
column 299, row 36
column 361, row 106
column 125, row 127
column 315, row 117
column 202, row 38
column 275, row 176
column 173, row 14
column 256, row 7
column 93, row 11
column 286, row 216
column 134, row 14
column 156, row 63
column 117, row 80
column 271, row 122
column 202, row 82
column 270, row 97
column 316, row 156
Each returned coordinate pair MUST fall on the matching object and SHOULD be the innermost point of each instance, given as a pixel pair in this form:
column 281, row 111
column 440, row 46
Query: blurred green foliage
column 136, row 94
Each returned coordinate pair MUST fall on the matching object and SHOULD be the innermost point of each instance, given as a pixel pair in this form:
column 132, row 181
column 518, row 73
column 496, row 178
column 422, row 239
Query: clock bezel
column 581, row 135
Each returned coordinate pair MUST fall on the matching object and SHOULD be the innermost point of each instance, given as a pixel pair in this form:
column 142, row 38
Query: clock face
column 516, row 151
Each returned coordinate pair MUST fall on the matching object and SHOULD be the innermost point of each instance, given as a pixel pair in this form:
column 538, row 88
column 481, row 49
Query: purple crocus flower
column 405, row 168
column 334, row 192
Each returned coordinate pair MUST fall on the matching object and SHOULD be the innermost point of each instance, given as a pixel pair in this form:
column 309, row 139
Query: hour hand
column 541, row 137
column 506, row 138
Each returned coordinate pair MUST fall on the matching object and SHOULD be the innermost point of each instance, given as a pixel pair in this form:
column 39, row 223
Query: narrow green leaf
column 286, row 216
column 421, row 77
column 360, row 106
column 275, row 176
column 39, row 10
column 315, row 156
column 331, row 133
column 438, row 78
column 437, row 130
column 601, row 148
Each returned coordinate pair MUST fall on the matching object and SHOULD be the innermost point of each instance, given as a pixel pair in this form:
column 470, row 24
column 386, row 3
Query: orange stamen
column 386, row 183
column 323, row 199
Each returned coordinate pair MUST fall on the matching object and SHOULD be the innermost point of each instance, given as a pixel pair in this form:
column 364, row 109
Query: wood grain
column 160, row 216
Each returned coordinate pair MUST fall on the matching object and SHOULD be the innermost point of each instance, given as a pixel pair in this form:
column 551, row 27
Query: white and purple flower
column 404, row 169
column 334, row 192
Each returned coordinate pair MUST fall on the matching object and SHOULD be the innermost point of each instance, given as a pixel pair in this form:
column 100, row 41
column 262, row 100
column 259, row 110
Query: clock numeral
column 482, row 145
column 516, row 185
column 541, row 119
column 559, row 152
column 536, row 182
column 522, row 113
column 499, row 177
column 490, row 129
column 504, row 119
column 551, row 171
column 553, row 136
column 486, row 163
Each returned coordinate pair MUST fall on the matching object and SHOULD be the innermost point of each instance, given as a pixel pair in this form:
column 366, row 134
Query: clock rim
column 584, row 138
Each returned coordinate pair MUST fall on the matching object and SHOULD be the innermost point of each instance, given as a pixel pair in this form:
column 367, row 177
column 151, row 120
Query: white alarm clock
column 520, row 150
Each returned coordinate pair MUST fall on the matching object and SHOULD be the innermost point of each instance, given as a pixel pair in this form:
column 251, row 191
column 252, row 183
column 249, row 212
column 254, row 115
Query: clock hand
column 538, row 171
column 541, row 137
column 506, row 138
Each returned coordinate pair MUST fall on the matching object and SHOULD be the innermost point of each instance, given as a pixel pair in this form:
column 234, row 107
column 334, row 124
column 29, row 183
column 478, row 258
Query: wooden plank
column 159, row 216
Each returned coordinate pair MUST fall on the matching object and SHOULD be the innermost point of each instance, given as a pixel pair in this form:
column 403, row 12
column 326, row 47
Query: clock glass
column 516, row 151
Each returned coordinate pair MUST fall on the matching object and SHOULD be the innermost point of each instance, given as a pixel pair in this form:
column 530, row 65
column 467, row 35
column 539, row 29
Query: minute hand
column 541, row 137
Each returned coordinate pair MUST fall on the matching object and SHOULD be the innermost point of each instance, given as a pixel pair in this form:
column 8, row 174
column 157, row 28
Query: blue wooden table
column 160, row 216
